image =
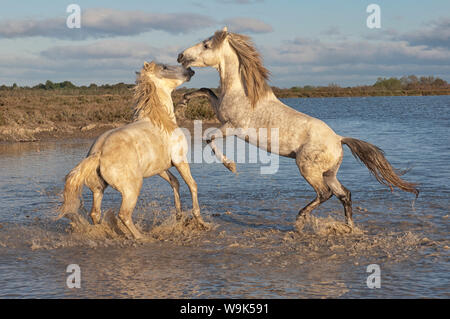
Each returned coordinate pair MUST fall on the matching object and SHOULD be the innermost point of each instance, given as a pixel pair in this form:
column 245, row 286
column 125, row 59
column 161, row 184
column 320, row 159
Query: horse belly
column 136, row 152
column 154, row 159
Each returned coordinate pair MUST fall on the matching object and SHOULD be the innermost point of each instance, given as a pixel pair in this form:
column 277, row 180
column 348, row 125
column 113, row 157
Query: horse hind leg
column 96, row 212
column 316, row 180
column 97, row 186
column 129, row 200
column 342, row 193
column 173, row 181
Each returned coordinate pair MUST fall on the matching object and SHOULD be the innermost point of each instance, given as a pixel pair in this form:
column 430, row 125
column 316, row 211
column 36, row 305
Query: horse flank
column 254, row 75
column 148, row 105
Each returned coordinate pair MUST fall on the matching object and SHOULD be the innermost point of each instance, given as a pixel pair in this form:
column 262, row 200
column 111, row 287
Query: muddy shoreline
column 17, row 134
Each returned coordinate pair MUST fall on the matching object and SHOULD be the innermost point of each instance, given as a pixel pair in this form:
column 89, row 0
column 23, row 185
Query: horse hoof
column 95, row 220
column 204, row 226
column 350, row 224
column 299, row 225
column 350, row 227
column 231, row 166
column 301, row 222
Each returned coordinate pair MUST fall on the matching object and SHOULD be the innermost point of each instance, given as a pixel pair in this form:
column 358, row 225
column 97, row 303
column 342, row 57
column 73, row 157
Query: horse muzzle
column 184, row 60
column 190, row 73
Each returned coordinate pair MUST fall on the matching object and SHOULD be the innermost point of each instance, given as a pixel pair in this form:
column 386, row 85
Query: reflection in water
column 253, row 250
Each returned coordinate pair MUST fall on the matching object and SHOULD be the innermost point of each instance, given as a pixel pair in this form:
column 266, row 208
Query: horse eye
column 205, row 45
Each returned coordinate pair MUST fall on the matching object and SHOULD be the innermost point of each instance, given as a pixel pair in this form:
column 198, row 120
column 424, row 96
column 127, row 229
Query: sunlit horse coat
column 148, row 146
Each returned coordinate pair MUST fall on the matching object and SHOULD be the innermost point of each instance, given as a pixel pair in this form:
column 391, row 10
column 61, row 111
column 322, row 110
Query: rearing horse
column 247, row 102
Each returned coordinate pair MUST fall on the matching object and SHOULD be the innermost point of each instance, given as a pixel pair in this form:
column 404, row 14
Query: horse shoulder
column 178, row 146
column 234, row 108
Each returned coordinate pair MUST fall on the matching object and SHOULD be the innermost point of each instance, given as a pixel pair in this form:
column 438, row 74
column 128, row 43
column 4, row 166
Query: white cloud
column 112, row 49
column 315, row 52
column 101, row 23
column 435, row 34
column 299, row 61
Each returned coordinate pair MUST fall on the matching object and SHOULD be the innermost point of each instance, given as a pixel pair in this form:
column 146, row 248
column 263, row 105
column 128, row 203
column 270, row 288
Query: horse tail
column 373, row 157
column 74, row 185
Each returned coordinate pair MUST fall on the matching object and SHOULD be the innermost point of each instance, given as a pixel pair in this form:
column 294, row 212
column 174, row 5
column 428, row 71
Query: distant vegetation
column 64, row 107
column 70, row 88
column 406, row 85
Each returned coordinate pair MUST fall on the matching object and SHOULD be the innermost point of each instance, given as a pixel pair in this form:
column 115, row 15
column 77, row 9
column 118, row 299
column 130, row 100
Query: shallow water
column 253, row 250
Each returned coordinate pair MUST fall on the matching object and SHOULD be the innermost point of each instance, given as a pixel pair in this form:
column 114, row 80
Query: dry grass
column 197, row 109
column 25, row 113
column 53, row 108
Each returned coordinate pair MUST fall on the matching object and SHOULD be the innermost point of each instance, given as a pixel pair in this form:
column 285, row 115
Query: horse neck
column 165, row 97
column 230, row 78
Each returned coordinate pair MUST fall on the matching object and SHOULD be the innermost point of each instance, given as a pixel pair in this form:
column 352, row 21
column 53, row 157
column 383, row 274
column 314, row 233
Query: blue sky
column 302, row 42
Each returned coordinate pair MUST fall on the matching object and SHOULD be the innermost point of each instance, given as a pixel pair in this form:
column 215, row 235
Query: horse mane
column 254, row 75
column 148, row 105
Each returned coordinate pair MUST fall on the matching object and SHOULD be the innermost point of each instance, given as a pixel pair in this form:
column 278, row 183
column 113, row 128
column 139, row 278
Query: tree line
column 49, row 85
column 405, row 85
column 410, row 82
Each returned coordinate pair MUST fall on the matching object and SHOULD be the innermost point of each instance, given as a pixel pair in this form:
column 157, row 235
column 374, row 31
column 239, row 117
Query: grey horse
column 247, row 102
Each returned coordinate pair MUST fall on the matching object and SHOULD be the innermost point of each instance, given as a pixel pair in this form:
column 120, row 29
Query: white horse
column 247, row 102
column 123, row 157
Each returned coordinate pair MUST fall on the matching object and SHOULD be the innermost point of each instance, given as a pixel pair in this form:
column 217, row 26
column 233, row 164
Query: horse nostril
column 180, row 57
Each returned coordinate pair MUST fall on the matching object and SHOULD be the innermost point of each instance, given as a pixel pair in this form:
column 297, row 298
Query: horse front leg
column 185, row 172
column 222, row 132
column 173, row 181
column 203, row 92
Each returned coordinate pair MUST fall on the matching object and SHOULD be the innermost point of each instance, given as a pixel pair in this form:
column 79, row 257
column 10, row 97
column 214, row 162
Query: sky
column 302, row 42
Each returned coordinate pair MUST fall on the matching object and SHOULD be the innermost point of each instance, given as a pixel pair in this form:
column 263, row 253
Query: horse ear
column 149, row 66
column 225, row 29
